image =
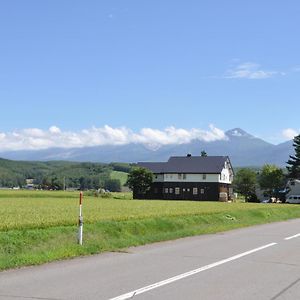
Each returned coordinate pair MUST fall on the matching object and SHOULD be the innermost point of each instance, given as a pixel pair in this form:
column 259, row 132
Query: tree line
column 270, row 179
column 59, row 175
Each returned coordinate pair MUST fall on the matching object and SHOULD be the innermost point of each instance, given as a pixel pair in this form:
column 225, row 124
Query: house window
column 204, row 176
column 171, row 190
column 155, row 176
column 202, row 191
column 177, row 191
column 166, row 190
column 179, row 176
column 155, row 190
column 183, row 176
column 188, row 190
column 183, row 190
column 195, row 191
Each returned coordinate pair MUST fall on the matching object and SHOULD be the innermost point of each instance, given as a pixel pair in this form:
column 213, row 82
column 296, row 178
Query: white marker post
column 80, row 221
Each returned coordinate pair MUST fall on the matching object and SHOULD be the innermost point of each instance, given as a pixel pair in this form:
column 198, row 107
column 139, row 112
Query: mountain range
column 243, row 149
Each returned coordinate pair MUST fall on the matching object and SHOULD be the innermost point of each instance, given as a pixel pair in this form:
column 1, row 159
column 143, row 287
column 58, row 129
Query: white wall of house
column 191, row 177
column 225, row 177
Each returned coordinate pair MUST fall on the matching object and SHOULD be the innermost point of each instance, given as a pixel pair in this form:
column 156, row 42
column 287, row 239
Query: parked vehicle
column 293, row 199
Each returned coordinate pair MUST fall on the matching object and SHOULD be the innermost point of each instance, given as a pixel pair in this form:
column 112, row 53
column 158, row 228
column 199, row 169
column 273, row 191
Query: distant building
column 191, row 178
column 30, row 184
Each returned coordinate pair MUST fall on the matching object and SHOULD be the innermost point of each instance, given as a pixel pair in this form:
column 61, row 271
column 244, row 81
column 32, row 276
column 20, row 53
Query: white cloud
column 34, row 132
column 251, row 70
column 290, row 133
column 172, row 135
column 54, row 130
column 34, row 138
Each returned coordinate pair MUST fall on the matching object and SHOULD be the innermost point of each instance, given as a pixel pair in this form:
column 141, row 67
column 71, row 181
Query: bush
column 101, row 194
column 252, row 198
column 113, row 185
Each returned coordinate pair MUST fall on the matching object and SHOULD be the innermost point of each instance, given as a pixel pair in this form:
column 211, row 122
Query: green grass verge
column 38, row 236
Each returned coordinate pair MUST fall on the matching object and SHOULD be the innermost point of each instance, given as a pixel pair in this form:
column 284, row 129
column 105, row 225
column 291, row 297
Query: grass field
column 39, row 226
column 39, row 209
column 122, row 176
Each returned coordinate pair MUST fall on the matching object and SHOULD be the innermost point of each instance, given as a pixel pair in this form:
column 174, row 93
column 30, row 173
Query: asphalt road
column 261, row 262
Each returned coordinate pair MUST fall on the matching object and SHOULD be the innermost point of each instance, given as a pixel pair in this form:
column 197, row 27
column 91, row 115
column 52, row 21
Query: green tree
column 271, row 180
column 46, row 183
column 294, row 161
column 245, row 182
column 139, row 181
column 113, row 185
column 83, row 183
column 56, row 183
column 96, row 183
column 122, row 167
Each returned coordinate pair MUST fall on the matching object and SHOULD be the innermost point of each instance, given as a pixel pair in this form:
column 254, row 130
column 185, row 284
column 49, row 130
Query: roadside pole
column 80, row 221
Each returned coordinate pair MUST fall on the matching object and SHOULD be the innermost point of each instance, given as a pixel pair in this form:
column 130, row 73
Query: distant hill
column 57, row 174
column 243, row 148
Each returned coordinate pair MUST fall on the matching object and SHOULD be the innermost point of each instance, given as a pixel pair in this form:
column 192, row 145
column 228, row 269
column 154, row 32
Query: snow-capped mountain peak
column 238, row 132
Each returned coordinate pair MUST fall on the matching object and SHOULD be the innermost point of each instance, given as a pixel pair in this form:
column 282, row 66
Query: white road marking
column 191, row 273
column 292, row 237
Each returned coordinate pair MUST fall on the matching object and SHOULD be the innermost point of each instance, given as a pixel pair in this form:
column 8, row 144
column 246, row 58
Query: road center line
column 292, row 237
column 187, row 274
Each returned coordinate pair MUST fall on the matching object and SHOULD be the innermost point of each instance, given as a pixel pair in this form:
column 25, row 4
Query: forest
column 59, row 175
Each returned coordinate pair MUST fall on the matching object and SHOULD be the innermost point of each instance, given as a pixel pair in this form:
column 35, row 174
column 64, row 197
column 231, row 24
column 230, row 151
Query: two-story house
column 190, row 178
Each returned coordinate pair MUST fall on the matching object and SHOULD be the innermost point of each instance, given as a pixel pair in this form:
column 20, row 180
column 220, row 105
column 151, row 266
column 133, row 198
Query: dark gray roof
column 188, row 164
column 155, row 167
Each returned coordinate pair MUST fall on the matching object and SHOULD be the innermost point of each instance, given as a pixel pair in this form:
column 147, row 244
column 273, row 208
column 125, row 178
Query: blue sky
column 81, row 65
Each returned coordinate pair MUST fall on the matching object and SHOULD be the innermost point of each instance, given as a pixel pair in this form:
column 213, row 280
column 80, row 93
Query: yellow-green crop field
column 40, row 209
column 41, row 226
